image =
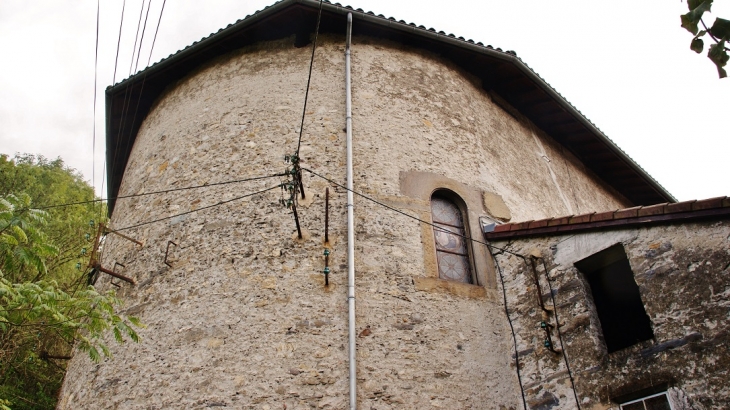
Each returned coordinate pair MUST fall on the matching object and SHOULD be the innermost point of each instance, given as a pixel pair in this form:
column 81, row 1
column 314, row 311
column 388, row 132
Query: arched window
column 452, row 249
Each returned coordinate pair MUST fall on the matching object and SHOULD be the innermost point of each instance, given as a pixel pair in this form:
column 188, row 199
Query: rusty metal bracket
column 99, row 268
column 326, row 215
column 108, row 231
column 537, row 285
column 167, row 252
column 299, row 181
column 296, row 217
column 117, row 284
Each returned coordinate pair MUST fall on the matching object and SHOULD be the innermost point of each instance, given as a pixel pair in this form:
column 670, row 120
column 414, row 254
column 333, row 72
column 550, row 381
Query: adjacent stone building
column 458, row 136
column 634, row 304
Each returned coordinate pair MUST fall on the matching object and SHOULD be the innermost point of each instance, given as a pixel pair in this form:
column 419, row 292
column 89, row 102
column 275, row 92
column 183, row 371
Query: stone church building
column 506, row 253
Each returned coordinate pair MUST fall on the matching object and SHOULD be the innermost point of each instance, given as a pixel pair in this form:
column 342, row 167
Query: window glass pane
column 445, row 212
column 657, row 403
column 448, row 242
column 452, row 250
column 453, row 267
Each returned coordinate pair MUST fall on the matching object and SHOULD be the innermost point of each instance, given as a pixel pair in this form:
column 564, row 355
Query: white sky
column 625, row 64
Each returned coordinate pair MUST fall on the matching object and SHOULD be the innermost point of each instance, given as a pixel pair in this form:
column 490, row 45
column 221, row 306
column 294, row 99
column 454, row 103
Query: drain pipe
column 350, row 222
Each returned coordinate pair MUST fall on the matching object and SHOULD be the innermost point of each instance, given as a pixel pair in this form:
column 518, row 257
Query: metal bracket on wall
column 536, row 278
column 117, row 284
column 167, row 252
column 326, row 216
column 97, row 266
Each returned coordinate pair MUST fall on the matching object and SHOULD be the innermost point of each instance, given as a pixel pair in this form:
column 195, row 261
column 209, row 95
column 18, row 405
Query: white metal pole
column 350, row 223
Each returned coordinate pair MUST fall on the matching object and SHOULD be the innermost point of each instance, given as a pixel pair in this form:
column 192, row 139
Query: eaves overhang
column 129, row 101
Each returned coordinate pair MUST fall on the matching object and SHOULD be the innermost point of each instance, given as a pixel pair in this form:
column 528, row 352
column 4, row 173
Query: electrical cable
column 141, row 39
column 514, row 335
column 411, row 216
column 155, row 37
column 93, row 129
column 119, row 40
column 560, row 336
column 195, row 210
column 309, row 79
column 161, row 192
column 144, row 77
column 136, row 37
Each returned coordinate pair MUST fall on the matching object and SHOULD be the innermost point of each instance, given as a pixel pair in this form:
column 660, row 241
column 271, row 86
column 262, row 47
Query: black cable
column 116, row 60
column 93, row 130
column 411, row 216
column 144, row 77
column 560, row 336
column 196, row 210
column 141, row 39
column 136, row 37
column 514, row 335
column 155, row 37
column 309, row 79
column 161, row 192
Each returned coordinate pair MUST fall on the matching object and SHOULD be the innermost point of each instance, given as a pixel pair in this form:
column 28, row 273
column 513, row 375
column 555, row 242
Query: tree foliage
column 719, row 33
column 46, row 304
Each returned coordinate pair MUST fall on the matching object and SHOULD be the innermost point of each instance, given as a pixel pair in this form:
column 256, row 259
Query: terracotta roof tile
column 657, row 209
column 708, row 203
column 580, row 219
column 502, row 228
column 559, row 221
column 627, row 213
column 539, row 224
column 602, row 216
column 680, row 206
column 718, row 207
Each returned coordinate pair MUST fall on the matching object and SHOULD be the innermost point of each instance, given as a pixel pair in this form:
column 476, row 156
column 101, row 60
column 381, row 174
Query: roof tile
column 680, row 206
column 581, row 219
column 502, row 228
column 539, row 224
column 627, row 213
column 520, row 225
column 708, row 203
column 602, row 216
column 657, row 209
column 559, row 221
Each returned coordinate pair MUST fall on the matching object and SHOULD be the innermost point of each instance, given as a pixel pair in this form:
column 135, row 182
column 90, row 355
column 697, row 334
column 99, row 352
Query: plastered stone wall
column 242, row 318
column 682, row 272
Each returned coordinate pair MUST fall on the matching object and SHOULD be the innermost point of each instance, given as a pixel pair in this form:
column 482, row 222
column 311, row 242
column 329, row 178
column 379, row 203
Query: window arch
column 450, row 233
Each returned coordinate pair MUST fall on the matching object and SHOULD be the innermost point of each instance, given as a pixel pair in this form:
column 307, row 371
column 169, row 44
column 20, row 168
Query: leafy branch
column 719, row 33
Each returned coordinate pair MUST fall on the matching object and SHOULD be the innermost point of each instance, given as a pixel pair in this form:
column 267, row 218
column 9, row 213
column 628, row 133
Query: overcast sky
column 625, row 64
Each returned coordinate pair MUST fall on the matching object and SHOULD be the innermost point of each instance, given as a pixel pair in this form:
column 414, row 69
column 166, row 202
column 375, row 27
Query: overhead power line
column 309, row 78
column 406, row 214
column 198, row 209
column 161, row 192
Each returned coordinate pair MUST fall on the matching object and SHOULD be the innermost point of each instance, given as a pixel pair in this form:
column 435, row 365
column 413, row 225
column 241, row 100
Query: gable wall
column 242, row 317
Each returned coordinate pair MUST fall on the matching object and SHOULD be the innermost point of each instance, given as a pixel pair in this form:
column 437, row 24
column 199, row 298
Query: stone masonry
column 242, row 319
column 682, row 272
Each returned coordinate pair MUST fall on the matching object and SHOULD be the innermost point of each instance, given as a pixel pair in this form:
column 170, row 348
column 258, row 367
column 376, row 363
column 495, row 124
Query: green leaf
column 692, row 4
column 719, row 56
column 697, row 45
column 691, row 19
column 94, row 354
column 720, row 28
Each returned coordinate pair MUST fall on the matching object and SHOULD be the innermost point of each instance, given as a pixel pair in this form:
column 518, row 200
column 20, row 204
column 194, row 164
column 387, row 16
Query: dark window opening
column 616, row 296
column 452, row 247
column 654, row 402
